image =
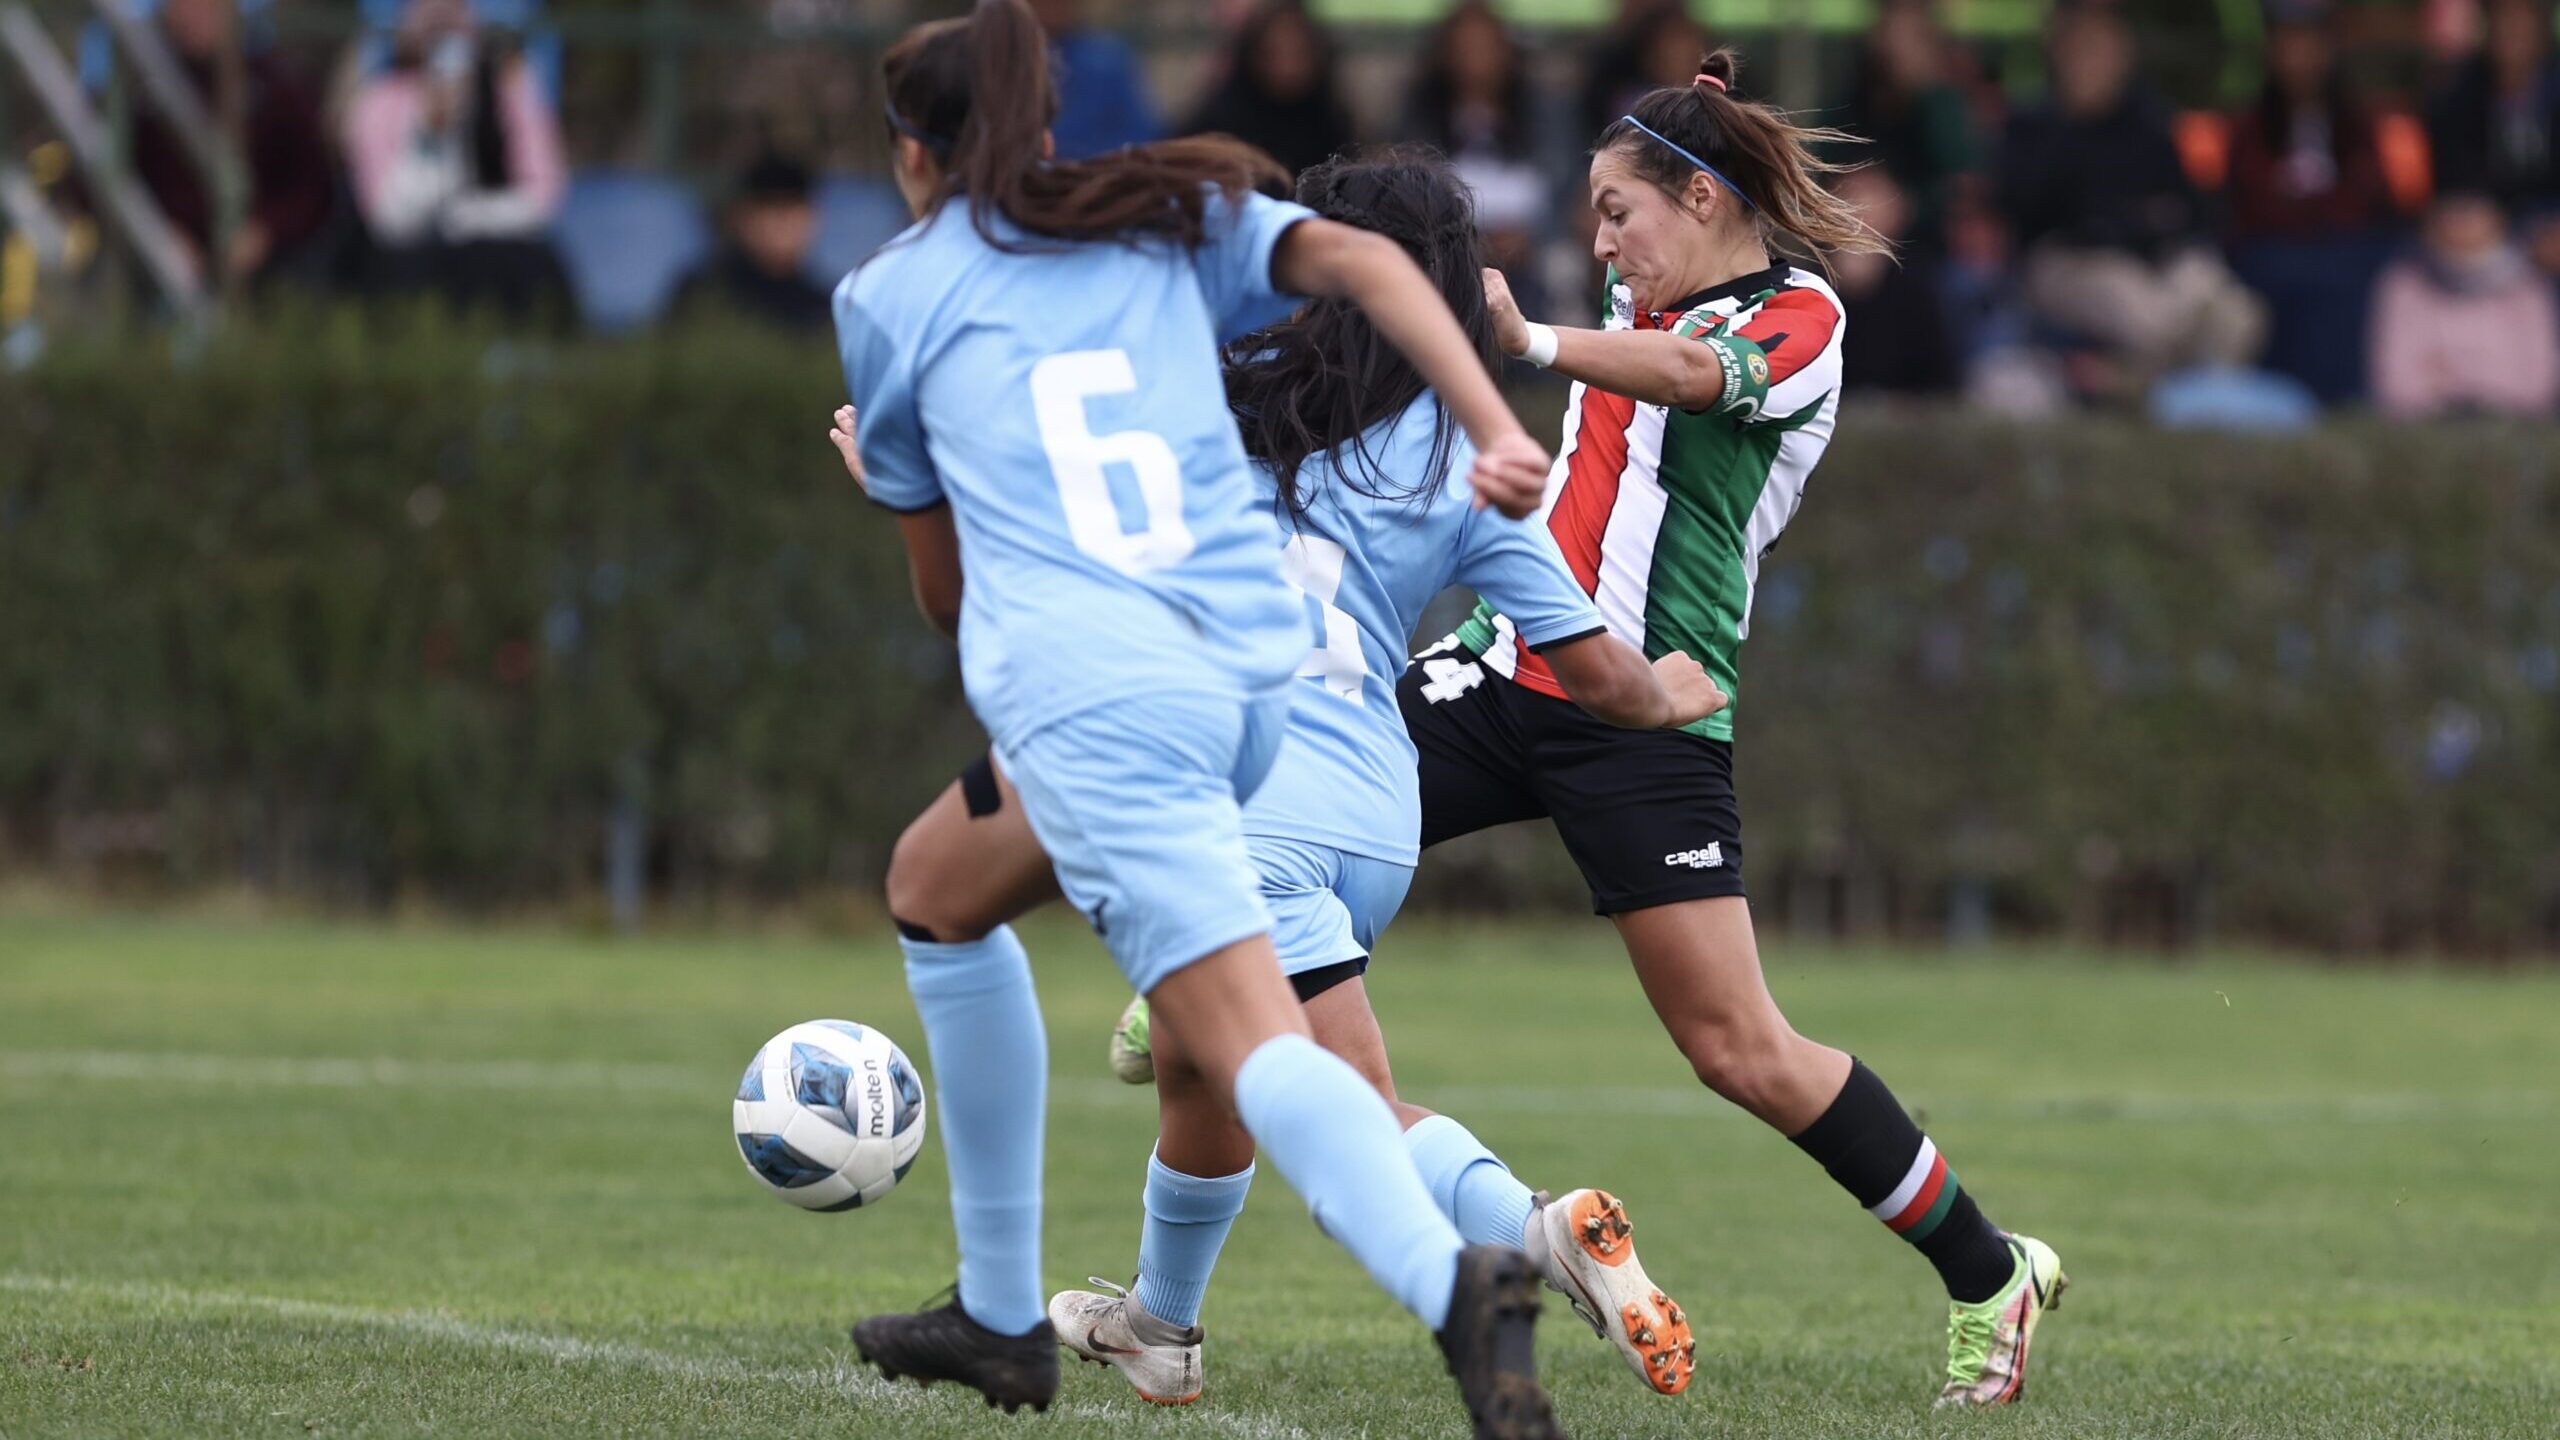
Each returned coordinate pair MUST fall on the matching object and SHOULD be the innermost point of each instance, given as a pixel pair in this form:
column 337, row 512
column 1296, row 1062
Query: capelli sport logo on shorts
column 1711, row 858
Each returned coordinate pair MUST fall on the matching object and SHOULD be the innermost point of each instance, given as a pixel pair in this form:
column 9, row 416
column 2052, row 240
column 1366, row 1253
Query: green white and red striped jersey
column 1663, row 515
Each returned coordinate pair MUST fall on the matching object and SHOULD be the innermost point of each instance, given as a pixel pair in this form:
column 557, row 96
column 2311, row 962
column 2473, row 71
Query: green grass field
column 278, row 1179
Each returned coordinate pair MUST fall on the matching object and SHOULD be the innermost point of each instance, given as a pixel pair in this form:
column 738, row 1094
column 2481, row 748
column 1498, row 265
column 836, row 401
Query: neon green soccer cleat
column 1987, row 1343
column 1132, row 1059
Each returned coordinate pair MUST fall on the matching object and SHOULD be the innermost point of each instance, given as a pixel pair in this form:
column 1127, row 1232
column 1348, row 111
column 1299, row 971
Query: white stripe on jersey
column 1798, row 453
column 1635, row 523
column 1819, row 376
column 1504, row 657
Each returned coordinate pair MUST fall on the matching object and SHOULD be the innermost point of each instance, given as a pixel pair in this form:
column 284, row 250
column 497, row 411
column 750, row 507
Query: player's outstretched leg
column 1337, row 1143
column 1998, row 1285
column 990, row 1070
column 1581, row 1242
column 1700, row 966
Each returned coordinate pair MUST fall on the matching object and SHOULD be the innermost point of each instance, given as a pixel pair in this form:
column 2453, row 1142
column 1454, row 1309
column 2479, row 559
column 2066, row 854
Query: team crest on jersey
column 1759, row 368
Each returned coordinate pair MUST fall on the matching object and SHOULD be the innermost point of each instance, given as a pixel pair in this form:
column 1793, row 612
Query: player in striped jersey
column 1699, row 408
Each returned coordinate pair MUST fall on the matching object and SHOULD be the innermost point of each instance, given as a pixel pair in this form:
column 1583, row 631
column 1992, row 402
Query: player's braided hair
column 1320, row 379
column 976, row 93
column 1773, row 165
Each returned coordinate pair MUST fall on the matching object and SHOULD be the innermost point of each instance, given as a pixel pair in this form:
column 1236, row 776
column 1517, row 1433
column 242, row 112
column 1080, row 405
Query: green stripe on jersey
column 1712, row 472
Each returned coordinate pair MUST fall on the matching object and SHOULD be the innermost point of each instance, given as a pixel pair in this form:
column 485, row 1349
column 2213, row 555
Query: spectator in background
column 1102, row 93
column 2495, row 127
column 1897, row 311
column 1472, row 101
column 2111, row 230
column 2466, row 325
column 1919, row 124
column 2306, row 160
column 1279, row 92
column 2311, row 202
column 761, row 270
column 457, row 163
column 1651, row 45
column 292, row 183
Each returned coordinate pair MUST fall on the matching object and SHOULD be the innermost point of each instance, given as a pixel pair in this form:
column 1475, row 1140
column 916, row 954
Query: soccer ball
column 829, row 1116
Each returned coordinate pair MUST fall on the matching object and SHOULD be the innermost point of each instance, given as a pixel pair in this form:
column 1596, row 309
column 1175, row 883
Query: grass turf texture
column 273, row 1179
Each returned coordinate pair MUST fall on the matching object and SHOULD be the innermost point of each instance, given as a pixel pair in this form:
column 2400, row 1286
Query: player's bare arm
column 933, row 546
column 1652, row 366
column 933, row 561
column 1612, row 680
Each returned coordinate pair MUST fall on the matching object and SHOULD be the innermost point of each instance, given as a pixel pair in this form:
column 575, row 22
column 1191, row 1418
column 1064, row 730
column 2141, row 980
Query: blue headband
column 1713, row 173
column 917, row 133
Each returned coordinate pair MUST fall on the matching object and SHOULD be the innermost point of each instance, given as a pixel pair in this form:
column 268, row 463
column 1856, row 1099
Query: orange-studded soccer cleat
column 1591, row 1258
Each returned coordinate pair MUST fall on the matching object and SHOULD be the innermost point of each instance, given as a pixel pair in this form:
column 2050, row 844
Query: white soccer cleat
column 1108, row 1327
column 1589, row 1255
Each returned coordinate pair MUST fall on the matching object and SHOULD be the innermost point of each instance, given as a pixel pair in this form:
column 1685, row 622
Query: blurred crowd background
column 314, row 583
column 2238, row 212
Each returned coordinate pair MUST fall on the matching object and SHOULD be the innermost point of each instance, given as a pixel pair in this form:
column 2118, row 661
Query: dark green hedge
column 367, row 609
column 352, row 609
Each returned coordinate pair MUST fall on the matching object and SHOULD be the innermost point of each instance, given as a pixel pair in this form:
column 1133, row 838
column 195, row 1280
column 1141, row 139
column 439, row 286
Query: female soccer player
column 1364, row 462
column 1697, row 412
column 1359, row 455
column 1035, row 365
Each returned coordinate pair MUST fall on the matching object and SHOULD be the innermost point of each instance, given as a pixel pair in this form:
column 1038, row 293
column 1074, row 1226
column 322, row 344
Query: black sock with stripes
column 1867, row 1143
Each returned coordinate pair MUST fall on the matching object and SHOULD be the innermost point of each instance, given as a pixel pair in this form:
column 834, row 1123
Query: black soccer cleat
column 1490, row 1344
column 945, row 1344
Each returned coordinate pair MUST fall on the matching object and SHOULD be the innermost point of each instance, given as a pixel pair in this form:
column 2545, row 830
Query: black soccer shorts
column 1648, row 815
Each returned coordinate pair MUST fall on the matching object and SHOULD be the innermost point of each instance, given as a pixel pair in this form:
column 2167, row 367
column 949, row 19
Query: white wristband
column 1542, row 345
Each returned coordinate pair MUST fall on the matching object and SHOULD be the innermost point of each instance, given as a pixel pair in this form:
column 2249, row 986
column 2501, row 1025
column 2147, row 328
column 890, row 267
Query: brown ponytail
column 1754, row 148
column 976, row 92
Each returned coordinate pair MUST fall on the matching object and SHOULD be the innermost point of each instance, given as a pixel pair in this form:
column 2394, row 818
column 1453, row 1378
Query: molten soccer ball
column 829, row 1115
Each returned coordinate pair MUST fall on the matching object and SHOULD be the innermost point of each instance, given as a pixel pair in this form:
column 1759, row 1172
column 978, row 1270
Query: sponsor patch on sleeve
column 1746, row 376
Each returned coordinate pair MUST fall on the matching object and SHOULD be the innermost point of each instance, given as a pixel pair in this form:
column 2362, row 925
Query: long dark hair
column 1320, row 380
column 976, row 93
column 1776, row 163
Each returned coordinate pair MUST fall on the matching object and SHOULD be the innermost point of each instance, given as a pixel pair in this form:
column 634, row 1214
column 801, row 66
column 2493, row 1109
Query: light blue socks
column 1472, row 1187
column 1188, row 1217
column 1336, row 1143
column 990, row 1058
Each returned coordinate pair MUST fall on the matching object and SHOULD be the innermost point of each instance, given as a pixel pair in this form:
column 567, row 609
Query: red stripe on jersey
column 1794, row 327
column 1580, row 519
column 1581, row 515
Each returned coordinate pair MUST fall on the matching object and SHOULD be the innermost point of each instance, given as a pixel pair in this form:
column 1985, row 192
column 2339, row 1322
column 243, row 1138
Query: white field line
column 1686, row 1102
column 842, row 1379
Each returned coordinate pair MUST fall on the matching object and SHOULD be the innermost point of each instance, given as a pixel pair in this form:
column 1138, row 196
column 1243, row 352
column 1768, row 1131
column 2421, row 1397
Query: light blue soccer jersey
column 1365, row 567
column 1066, row 402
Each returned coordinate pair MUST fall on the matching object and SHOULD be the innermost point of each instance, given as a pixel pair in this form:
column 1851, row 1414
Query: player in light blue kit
column 1369, row 476
column 1366, row 468
column 1035, row 365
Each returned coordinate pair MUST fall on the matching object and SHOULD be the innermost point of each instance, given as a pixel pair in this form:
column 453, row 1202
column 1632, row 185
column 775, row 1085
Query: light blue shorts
column 1139, row 803
column 1326, row 906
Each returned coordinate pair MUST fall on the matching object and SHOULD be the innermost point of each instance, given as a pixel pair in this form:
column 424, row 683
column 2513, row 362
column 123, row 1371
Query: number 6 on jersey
column 1081, row 462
